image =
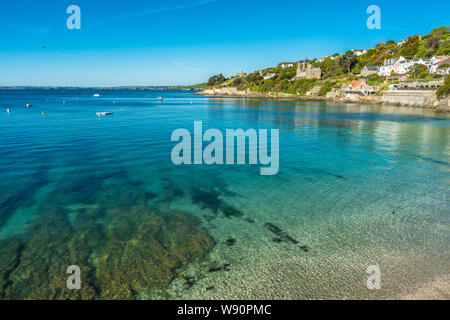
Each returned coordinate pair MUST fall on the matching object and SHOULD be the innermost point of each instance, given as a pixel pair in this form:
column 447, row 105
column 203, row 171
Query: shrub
column 444, row 90
column 327, row 86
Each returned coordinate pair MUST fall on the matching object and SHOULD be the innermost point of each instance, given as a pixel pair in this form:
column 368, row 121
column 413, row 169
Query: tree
column 444, row 90
column 348, row 61
column 432, row 43
column 216, row 80
column 410, row 48
column 254, row 77
column 418, row 69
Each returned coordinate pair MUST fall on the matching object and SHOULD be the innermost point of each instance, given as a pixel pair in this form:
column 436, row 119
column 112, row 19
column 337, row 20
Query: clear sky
column 170, row 42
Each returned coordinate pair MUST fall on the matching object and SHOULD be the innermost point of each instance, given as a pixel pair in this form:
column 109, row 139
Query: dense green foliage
column 216, row 80
column 326, row 87
column 444, row 90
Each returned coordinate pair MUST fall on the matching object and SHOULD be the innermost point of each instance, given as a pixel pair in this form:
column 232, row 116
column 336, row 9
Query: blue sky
column 170, row 42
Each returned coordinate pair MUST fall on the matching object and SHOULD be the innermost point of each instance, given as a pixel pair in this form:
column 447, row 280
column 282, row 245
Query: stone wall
column 410, row 97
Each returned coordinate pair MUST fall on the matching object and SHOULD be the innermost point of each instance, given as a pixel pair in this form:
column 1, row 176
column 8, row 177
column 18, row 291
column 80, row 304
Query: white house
column 359, row 52
column 437, row 62
column 284, row 65
column 402, row 66
column 392, row 65
column 269, row 76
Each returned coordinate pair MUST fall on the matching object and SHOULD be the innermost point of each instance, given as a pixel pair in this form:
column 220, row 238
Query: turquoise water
column 358, row 186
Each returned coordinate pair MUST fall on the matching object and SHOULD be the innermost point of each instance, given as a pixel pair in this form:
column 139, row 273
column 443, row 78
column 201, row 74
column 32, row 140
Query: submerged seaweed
column 123, row 247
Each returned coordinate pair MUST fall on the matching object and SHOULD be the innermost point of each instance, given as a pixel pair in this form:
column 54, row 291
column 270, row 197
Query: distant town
column 417, row 64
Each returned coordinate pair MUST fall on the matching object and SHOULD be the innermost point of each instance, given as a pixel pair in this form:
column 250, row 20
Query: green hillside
column 341, row 68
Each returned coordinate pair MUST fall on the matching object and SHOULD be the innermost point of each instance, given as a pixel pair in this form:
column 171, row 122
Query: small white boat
column 96, row 95
column 29, row 105
column 7, row 110
column 160, row 99
column 100, row 114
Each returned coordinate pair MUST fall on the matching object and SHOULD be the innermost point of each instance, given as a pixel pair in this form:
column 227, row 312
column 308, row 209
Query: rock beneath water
column 123, row 247
column 282, row 236
column 230, row 242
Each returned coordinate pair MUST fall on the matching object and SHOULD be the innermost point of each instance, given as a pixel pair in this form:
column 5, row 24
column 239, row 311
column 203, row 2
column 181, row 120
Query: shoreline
column 442, row 106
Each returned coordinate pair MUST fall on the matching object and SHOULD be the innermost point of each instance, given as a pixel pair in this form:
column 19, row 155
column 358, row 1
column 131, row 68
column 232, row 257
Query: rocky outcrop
column 234, row 92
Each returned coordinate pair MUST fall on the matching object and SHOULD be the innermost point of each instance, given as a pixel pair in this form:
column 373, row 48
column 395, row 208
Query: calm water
column 357, row 186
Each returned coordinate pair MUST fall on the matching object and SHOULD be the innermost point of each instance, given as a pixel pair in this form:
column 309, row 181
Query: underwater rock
column 145, row 253
column 224, row 267
column 189, row 281
column 230, row 242
column 283, row 236
column 304, row 248
column 124, row 248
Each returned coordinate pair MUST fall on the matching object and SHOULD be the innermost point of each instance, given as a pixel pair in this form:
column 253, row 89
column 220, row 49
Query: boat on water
column 100, row 114
column 96, row 95
column 161, row 99
column 28, row 105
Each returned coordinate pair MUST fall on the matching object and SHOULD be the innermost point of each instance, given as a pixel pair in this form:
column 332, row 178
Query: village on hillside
column 417, row 65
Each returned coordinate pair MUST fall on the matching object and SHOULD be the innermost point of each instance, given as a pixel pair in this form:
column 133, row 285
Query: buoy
column 42, row 112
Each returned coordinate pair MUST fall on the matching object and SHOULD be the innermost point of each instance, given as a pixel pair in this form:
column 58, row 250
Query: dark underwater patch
column 124, row 247
column 24, row 197
column 230, row 242
column 211, row 200
column 282, row 236
column 224, row 267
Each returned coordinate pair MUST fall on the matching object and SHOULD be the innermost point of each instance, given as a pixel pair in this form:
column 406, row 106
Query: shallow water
column 358, row 186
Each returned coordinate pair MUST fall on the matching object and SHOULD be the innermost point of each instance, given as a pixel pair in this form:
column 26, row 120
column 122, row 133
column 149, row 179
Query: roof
column 445, row 61
column 372, row 68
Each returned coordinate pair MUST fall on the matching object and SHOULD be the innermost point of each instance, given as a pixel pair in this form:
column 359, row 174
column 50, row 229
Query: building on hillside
column 285, row 65
column 391, row 65
column 359, row 88
column 307, row 71
column 369, row 70
column 241, row 74
column 402, row 66
column 269, row 76
column 359, row 52
column 442, row 67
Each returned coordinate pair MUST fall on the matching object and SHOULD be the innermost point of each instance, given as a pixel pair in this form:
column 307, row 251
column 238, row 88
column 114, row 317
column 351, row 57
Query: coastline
column 424, row 101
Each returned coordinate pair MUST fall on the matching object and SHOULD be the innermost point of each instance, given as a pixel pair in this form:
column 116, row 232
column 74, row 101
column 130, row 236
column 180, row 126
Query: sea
column 361, row 197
